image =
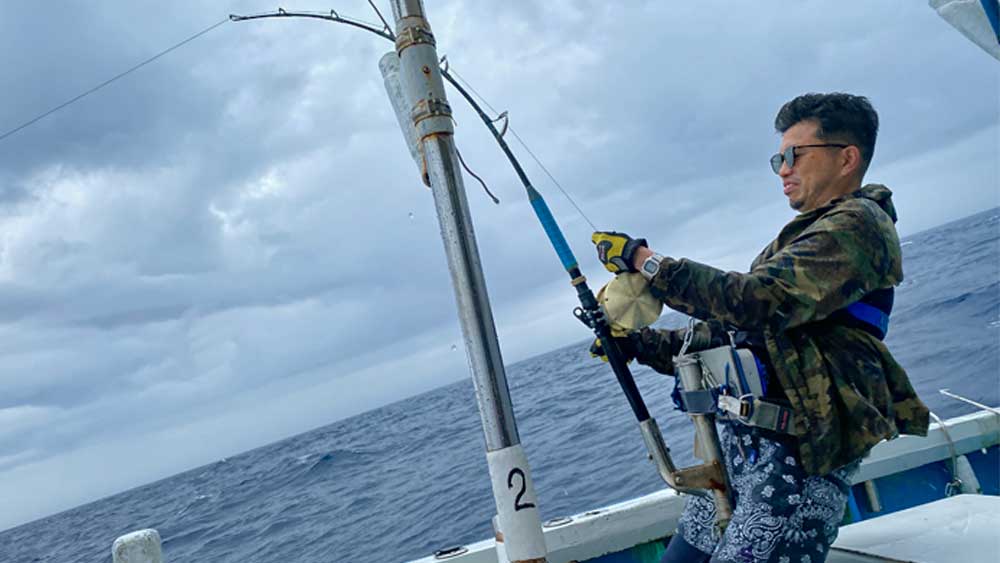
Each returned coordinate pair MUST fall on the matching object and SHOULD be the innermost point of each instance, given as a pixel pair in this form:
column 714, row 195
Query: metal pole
column 707, row 445
column 513, row 491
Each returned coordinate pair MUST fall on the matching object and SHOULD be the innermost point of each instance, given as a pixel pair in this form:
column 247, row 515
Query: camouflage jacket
column 846, row 389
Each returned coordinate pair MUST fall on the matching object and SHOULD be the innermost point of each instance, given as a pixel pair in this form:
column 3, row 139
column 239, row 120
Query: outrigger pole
column 414, row 83
column 710, row 476
column 519, row 523
column 426, row 120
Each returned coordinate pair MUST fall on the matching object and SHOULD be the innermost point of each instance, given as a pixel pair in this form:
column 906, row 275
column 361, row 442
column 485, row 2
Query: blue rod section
column 552, row 229
column 993, row 15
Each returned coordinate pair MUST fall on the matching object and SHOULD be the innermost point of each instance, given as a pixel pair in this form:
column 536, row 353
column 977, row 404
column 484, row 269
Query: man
column 814, row 309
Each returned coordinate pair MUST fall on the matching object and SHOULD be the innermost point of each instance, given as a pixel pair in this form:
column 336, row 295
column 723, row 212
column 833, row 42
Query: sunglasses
column 788, row 156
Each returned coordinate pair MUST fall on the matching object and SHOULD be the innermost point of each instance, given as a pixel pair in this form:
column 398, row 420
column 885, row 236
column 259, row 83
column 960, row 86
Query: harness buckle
column 741, row 408
column 746, row 406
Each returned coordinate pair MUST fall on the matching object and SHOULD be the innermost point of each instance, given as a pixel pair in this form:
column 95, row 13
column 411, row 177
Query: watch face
column 650, row 267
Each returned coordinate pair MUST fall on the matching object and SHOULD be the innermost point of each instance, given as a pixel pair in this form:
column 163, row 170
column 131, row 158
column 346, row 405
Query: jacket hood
column 880, row 195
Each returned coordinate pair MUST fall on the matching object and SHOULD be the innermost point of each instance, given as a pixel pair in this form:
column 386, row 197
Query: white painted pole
column 423, row 87
column 142, row 546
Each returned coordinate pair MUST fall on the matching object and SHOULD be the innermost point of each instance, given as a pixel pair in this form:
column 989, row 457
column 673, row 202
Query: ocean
column 404, row 480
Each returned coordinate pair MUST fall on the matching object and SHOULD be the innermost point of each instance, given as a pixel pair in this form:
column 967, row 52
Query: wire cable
column 476, row 176
column 110, row 80
column 525, row 146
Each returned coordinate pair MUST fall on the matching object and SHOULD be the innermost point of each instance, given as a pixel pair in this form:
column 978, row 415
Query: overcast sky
column 232, row 245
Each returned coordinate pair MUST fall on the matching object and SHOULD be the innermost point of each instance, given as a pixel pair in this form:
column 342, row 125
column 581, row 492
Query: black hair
column 840, row 117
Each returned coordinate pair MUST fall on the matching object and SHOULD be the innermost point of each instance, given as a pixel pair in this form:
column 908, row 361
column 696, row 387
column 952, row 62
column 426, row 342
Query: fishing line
column 110, row 80
column 526, row 148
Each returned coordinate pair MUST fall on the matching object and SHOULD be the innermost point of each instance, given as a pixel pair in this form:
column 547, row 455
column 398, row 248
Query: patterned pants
column 782, row 514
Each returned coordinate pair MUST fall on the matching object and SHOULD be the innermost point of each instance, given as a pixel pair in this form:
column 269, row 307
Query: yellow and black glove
column 616, row 250
column 649, row 346
column 624, row 345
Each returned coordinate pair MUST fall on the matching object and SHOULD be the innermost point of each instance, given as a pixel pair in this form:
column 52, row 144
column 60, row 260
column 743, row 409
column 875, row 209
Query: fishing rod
column 710, row 476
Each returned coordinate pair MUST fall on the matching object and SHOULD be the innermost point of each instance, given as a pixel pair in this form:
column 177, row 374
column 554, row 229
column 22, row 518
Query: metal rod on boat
column 513, row 490
column 436, row 149
column 589, row 312
column 707, row 446
column 948, row 393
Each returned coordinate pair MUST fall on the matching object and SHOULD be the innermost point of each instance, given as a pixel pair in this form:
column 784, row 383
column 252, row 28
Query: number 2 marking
column 524, row 486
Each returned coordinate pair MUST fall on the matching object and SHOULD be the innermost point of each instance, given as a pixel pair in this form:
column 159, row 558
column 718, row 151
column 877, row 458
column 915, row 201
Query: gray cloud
column 232, row 245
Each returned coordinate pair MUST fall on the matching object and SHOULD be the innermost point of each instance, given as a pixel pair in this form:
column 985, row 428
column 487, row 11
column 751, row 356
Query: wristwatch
column 651, row 266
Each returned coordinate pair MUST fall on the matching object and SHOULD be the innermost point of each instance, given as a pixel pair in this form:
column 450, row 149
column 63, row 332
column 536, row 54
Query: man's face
column 815, row 178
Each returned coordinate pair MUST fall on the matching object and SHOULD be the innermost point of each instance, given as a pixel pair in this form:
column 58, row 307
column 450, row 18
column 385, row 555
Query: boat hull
column 905, row 473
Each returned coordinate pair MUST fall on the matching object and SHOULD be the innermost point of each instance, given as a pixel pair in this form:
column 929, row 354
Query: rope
column 476, row 176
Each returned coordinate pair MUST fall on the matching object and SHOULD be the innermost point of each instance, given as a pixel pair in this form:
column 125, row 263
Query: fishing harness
column 736, row 378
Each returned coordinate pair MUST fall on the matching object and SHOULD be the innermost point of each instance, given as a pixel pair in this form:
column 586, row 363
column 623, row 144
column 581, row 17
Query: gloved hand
column 616, row 250
column 624, row 346
column 648, row 346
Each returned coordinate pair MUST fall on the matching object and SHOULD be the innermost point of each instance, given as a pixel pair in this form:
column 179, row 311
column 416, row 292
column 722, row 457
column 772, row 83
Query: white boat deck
column 962, row 528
